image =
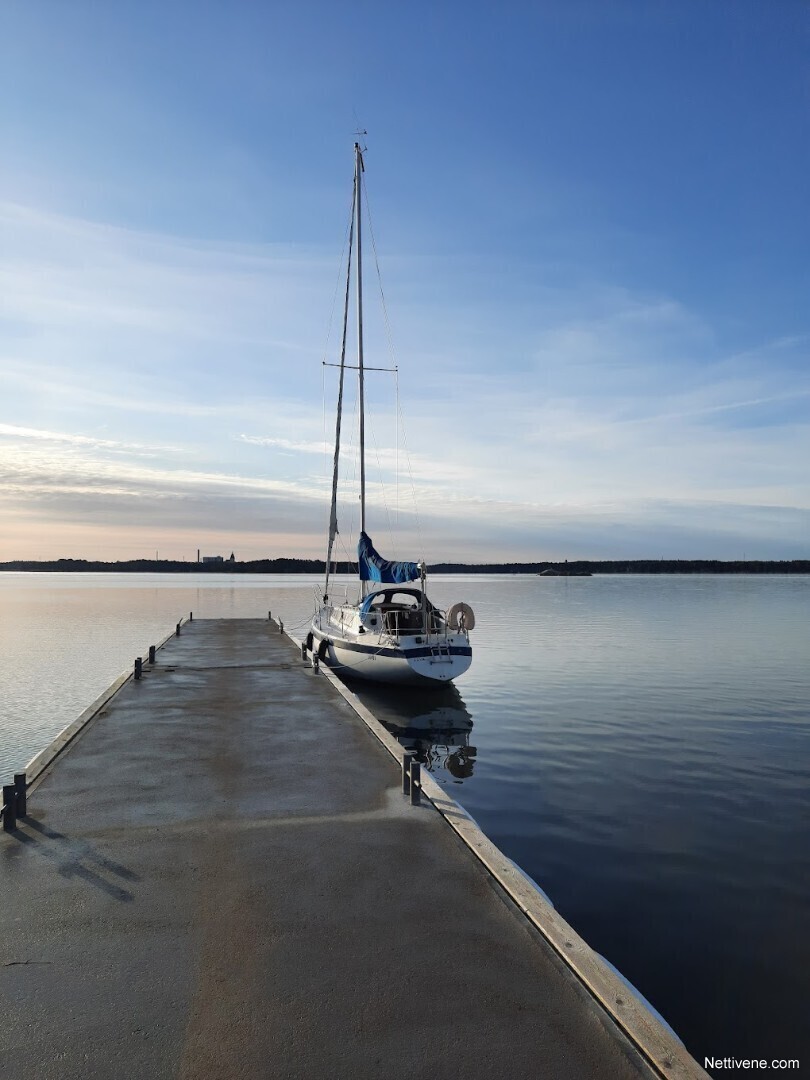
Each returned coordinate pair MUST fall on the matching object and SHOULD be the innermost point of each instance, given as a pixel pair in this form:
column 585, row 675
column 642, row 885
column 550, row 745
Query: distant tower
column 198, row 554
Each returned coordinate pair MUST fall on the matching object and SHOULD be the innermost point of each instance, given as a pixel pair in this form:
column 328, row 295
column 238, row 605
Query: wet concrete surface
column 221, row 878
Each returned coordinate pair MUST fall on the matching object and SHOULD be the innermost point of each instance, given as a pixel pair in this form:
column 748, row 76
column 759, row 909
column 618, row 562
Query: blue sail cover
column 373, row 567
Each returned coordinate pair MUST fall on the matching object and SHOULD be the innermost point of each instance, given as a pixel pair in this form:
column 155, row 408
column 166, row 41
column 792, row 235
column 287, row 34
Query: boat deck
column 221, row 877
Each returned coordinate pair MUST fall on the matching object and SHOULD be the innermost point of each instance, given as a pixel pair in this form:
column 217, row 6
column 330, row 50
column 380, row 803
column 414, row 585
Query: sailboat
column 391, row 633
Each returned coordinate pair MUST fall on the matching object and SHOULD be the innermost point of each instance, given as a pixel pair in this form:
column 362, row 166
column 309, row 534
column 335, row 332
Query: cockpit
column 399, row 610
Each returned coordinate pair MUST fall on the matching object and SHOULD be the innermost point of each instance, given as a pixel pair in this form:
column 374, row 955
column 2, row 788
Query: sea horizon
column 296, row 565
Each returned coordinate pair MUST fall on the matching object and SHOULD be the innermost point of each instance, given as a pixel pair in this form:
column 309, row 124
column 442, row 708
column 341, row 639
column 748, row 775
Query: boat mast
column 358, row 170
column 333, row 525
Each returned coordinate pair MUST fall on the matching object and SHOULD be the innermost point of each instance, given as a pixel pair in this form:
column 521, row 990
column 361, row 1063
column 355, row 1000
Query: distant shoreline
column 579, row 568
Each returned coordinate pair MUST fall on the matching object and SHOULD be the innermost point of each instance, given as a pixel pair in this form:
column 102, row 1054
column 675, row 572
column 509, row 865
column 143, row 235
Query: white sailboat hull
column 389, row 666
column 413, row 660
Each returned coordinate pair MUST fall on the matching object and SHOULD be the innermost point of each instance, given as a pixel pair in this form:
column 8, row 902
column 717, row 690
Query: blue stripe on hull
column 399, row 654
column 397, row 665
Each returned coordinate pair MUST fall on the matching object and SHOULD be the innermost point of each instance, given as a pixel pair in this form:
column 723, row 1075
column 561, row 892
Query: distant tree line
column 632, row 566
column 316, row 566
column 172, row 566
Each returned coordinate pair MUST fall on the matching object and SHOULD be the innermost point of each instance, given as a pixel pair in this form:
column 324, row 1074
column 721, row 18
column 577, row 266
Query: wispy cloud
column 113, row 305
column 543, row 421
column 27, row 473
column 11, row 430
column 290, row 445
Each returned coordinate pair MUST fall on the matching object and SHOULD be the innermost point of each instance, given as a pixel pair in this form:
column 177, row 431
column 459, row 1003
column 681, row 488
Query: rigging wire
column 339, row 277
column 323, row 426
column 353, row 427
column 333, row 526
column 382, row 488
column 389, row 335
column 410, row 475
column 347, row 239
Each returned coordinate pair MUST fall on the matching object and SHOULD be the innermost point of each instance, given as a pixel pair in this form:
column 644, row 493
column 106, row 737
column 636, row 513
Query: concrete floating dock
column 220, row 876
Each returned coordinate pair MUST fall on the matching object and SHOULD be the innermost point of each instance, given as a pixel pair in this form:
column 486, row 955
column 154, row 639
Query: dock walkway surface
column 220, row 877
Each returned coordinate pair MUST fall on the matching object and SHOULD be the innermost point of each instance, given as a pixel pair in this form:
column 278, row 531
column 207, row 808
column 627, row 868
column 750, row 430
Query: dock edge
column 653, row 1038
column 41, row 761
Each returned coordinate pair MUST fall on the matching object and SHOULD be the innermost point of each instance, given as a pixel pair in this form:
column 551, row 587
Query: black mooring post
column 280, row 626
column 10, row 804
column 177, row 631
column 416, row 783
column 303, row 650
column 138, row 667
column 152, row 654
column 407, row 758
column 21, row 786
column 191, row 616
column 268, row 616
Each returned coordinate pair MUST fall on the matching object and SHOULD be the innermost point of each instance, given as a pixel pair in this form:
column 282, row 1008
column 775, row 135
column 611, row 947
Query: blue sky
column 591, row 221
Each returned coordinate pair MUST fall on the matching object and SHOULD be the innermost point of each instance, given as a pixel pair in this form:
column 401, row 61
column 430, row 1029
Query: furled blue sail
column 373, row 567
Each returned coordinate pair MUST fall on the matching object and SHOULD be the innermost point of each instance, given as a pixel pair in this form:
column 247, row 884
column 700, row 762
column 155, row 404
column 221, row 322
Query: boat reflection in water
column 436, row 726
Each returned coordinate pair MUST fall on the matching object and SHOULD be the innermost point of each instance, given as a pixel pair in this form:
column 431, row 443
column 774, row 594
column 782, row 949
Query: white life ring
column 461, row 617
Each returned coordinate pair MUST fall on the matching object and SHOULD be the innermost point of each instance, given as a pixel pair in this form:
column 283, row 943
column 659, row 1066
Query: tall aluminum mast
column 358, row 169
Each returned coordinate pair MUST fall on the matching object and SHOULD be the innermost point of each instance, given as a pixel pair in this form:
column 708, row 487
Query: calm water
column 639, row 745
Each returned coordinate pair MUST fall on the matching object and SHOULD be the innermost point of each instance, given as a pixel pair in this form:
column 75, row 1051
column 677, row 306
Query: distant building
column 212, row 559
